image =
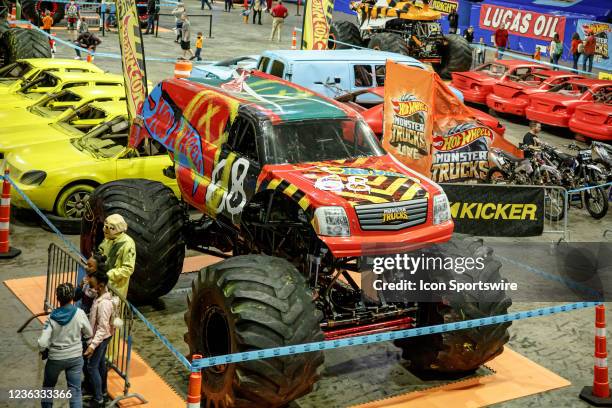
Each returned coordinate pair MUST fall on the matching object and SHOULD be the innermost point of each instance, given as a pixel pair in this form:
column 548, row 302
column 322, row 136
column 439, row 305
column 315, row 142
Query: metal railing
column 556, row 207
column 64, row 267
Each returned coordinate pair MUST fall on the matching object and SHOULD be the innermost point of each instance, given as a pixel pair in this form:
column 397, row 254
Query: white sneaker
column 77, row 58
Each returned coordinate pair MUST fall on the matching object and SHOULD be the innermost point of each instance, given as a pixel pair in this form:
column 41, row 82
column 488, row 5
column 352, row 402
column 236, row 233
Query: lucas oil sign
column 525, row 23
column 496, row 210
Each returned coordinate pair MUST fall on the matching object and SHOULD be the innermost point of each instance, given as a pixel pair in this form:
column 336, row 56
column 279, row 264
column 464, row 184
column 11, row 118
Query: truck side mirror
column 337, row 80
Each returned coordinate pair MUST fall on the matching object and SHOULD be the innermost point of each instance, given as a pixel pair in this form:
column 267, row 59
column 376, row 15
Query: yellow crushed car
column 76, row 124
column 59, row 176
column 54, row 82
column 55, row 107
column 14, row 75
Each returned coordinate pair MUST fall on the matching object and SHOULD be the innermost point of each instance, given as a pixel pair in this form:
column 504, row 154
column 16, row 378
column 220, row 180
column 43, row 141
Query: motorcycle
column 588, row 174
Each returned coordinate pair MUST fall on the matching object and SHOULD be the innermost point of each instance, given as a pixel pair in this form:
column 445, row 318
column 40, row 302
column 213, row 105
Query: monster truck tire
column 155, row 222
column 460, row 351
column 33, row 10
column 21, row 43
column 389, row 42
column 248, row 303
column 346, row 32
column 456, row 57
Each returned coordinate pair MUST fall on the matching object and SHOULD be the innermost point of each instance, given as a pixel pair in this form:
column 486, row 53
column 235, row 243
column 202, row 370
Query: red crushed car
column 594, row 120
column 556, row 106
column 368, row 103
column 512, row 96
column 478, row 83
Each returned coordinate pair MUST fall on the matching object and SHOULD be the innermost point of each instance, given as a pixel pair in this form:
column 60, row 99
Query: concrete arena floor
column 561, row 343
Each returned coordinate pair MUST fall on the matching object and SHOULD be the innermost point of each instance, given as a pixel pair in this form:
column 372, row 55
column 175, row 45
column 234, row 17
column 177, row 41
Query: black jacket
column 152, row 6
column 453, row 20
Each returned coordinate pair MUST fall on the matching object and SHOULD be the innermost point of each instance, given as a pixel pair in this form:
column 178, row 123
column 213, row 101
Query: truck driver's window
column 242, row 138
column 363, row 76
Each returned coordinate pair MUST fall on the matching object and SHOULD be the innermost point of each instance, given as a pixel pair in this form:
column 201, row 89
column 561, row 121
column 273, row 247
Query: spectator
column 228, row 5
column 453, row 21
column 575, row 49
column 152, row 10
column 82, row 26
column 279, row 13
column 199, row 43
column 530, row 139
column 72, row 13
column 207, row 3
column 556, row 50
column 501, row 41
column 108, row 10
column 268, row 6
column 88, row 41
column 589, row 52
column 60, row 342
column 481, row 50
column 119, row 249
column 186, row 37
column 100, row 319
column 47, row 22
column 178, row 11
column 257, row 6
column 469, row 34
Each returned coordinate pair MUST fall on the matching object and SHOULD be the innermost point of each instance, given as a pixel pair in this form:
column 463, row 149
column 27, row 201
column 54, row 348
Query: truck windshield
column 318, row 140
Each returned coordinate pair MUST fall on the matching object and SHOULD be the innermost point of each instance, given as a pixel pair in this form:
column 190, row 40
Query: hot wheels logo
column 462, row 138
column 596, row 28
column 408, row 108
column 320, row 26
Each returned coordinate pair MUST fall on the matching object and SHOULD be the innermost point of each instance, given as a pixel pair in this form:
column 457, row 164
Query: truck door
column 234, row 177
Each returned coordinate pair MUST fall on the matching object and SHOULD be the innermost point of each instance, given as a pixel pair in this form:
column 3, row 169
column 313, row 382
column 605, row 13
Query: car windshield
column 570, row 89
column 105, row 140
column 55, row 104
column 42, row 81
column 15, row 70
column 494, row 70
column 319, row 140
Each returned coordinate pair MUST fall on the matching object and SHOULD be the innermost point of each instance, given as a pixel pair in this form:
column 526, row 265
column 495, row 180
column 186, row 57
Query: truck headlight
column 332, row 222
column 441, row 209
column 33, row 178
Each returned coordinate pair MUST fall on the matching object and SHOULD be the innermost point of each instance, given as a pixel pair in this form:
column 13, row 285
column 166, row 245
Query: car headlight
column 441, row 209
column 33, row 177
column 332, row 222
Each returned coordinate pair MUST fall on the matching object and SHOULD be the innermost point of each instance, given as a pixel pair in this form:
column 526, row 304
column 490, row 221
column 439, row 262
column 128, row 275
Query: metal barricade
column 556, row 206
column 64, row 267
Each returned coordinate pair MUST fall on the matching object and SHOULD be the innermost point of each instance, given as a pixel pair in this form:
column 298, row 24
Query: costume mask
column 114, row 225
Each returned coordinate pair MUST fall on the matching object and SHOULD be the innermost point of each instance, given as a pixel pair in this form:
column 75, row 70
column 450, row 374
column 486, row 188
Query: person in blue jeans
column 100, row 318
column 60, row 341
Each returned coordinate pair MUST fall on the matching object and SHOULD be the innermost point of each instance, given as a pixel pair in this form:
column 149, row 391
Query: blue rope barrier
column 578, row 190
column 383, row 337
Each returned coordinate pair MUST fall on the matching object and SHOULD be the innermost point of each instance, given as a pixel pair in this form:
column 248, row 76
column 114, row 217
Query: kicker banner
column 317, row 20
column 496, row 210
column 431, row 131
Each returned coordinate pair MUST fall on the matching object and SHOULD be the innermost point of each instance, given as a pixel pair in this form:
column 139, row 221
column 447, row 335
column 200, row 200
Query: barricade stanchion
column 599, row 394
column 182, row 69
column 6, row 251
column 194, row 393
column 294, row 40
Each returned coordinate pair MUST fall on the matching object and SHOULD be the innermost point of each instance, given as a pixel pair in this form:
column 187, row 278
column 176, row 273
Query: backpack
column 116, row 320
column 580, row 48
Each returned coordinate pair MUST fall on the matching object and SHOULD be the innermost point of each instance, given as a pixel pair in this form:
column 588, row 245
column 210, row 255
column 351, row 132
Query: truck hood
column 372, row 180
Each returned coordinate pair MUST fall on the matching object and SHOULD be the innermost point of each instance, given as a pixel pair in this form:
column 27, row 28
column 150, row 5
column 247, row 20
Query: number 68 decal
column 230, row 195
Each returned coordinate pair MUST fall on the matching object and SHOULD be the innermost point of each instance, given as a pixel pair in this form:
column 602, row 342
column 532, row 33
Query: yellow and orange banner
column 317, row 21
column 134, row 70
column 431, row 131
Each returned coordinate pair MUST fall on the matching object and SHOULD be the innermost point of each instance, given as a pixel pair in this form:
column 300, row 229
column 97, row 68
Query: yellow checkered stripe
column 290, row 190
column 404, row 10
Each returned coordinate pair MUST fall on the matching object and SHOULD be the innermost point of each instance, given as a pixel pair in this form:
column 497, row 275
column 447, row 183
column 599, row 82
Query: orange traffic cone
column 90, row 58
column 599, row 394
column 294, row 40
column 194, row 393
column 6, row 251
column 182, row 68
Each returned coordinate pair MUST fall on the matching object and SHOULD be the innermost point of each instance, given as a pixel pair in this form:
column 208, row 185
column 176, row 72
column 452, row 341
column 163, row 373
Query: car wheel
column 71, row 202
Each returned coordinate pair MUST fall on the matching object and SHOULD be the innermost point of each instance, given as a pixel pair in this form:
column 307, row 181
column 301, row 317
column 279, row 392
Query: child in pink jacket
column 100, row 318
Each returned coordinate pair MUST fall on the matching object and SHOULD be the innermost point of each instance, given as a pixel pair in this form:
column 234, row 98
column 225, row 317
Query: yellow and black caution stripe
column 290, row 190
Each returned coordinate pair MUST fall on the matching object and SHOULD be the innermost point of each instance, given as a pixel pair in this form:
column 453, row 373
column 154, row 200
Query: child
column 102, row 326
column 482, row 51
column 198, row 51
column 84, row 292
column 47, row 22
column 245, row 14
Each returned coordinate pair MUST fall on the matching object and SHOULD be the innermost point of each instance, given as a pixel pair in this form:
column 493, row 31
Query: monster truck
column 296, row 187
column 17, row 42
column 404, row 28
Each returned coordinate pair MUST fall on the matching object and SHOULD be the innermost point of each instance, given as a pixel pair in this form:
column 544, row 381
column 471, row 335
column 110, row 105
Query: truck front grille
column 392, row 216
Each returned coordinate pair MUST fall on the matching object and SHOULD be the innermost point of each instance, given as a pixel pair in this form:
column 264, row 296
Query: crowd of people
column 76, row 336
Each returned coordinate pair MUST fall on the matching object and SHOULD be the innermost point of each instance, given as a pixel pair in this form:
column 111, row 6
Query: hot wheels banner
column 134, row 70
column 431, row 131
column 317, row 20
column 603, row 38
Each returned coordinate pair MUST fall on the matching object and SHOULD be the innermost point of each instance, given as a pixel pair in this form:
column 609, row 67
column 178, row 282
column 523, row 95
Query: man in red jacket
column 589, row 52
column 501, row 41
column 279, row 13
